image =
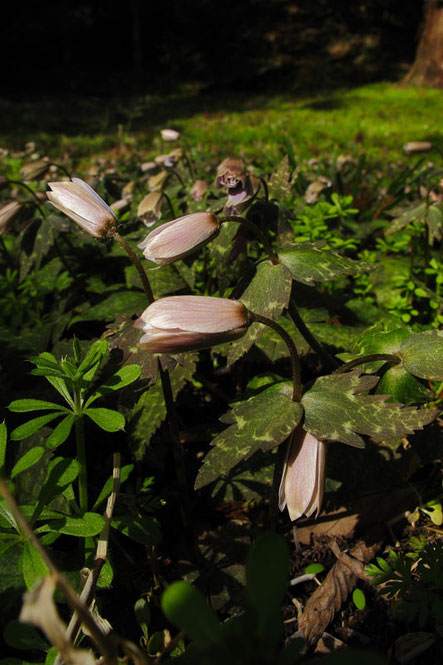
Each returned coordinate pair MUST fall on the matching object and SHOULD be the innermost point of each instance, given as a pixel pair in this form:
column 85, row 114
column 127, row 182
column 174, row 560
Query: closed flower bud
column 156, row 182
column 188, row 323
column 180, row 237
column 78, row 201
column 301, row 486
column 199, row 189
column 34, row 170
column 7, row 213
column 150, row 208
column 169, row 134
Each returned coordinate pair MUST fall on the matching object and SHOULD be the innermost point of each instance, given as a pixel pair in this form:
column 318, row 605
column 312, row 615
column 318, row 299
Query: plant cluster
column 325, row 284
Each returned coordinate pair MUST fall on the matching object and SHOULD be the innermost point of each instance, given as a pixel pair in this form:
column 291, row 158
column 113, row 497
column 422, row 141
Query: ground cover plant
column 205, row 342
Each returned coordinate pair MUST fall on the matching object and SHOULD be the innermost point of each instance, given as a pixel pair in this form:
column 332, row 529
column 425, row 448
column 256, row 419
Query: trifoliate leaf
column 336, row 408
column 309, row 263
column 259, row 423
column 402, row 387
column 422, row 354
column 267, row 294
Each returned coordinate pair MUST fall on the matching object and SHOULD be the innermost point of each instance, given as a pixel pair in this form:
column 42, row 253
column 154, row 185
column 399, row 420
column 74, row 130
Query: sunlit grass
column 376, row 119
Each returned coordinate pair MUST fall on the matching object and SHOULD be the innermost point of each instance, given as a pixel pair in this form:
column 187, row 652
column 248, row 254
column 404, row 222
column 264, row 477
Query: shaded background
column 108, row 47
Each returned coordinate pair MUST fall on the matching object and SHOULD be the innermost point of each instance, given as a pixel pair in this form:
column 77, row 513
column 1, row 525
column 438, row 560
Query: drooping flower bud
column 150, row 208
column 199, row 189
column 187, row 323
column 180, row 237
column 169, row 134
column 301, row 486
column 156, row 182
column 78, row 201
column 7, row 213
column 33, row 170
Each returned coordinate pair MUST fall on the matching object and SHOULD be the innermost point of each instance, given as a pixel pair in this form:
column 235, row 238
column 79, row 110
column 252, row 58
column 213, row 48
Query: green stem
column 265, row 188
column 81, row 457
column 327, row 359
column 362, row 360
column 176, row 173
column 188, row 164
column 169, row 202
column 136, row 262
column 31, row 191
column 257, row 231
column 295, row 361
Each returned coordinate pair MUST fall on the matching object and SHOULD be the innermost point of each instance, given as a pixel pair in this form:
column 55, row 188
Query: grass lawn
column 376, row 119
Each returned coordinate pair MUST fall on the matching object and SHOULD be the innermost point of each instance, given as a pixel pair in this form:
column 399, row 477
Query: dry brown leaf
column 338, row 584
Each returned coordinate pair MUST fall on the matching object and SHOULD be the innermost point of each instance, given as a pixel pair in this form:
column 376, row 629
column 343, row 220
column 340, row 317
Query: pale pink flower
column 150, row 208
column 78, row 201
column 169, row 134
column 180, row 237
column 187, row 323
column 199, row 189
column 301, row 486
column 7, row 213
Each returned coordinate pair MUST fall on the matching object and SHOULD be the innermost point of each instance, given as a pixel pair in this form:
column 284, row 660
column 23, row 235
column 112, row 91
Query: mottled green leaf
column 267, row 294
column 123, row 303
column 434, row 220
column 27, row 460
column 308, row 263
column 422, row 354
column 414, row 213
column 164, row 281
column 259, row 423
column 150, row 410
column 279, row 186
column 379, row 338
column 337, row 408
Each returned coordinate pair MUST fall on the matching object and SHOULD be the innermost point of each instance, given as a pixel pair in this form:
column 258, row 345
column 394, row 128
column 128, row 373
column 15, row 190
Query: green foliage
column 417, row 584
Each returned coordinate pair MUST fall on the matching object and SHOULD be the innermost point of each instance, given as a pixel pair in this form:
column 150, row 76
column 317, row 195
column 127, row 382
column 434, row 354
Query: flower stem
column 295, row 361
column 31, row 191
column 169, row 202
column 362, row 360
column 328, row 360
column 257, row 231
column 136, row 262
column 265, row 188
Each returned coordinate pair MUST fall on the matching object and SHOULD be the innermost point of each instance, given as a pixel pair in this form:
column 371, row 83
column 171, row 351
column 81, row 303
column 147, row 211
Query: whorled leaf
column 309, row 263
column 422, row 354
column 259, row 423
column 267, row 294
column 338, row 408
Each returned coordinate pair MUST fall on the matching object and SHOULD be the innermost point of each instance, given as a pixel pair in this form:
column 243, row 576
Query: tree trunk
column 427, row 69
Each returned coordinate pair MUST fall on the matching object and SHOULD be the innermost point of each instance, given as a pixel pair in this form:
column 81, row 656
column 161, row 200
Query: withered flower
column 149, row 209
